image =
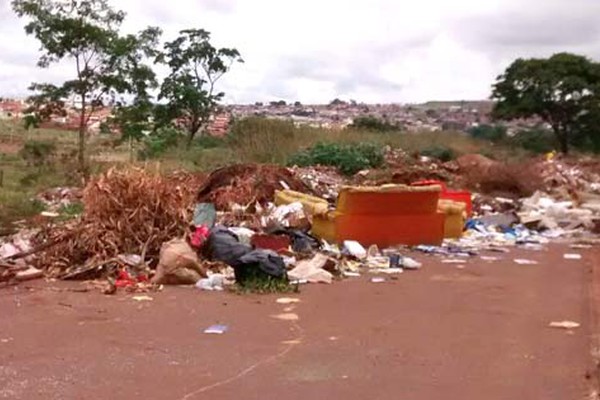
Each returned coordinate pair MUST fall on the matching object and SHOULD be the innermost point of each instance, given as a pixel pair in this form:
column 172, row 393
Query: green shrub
column 441, row 153
column 370, row 123
column 493, row 133
column 535, row 140
column 348, row 158
column 156, row 144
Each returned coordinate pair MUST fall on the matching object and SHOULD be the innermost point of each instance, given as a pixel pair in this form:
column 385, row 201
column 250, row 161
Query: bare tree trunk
column 194, row 128
column 563, row 140
column 191, row 135
column 82, row 140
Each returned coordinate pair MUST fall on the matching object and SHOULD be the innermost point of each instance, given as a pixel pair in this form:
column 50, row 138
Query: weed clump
column 348, row 158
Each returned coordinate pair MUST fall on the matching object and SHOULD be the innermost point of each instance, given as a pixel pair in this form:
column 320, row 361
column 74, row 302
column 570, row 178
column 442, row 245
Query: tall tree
column 563, row 90
column 106, row 64
column 190, row 89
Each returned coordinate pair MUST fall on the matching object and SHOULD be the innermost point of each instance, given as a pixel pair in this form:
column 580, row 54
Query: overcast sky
column 372, row 51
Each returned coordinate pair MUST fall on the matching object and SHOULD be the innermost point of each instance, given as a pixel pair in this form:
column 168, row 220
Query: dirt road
column 475, row 333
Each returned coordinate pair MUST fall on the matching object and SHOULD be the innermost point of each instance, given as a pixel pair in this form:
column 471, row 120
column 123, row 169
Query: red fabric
column 199, row 236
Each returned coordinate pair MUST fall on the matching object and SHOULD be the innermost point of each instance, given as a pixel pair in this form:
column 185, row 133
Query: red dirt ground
column 442, row 332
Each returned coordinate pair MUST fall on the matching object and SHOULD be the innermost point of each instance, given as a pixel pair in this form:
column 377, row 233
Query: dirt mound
column 245, row 184
column 484, row 175
column 418, row 173
column 126, row 212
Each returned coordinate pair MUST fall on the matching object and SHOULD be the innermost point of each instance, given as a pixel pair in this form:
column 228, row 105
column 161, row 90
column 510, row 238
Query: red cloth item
column 199, row 236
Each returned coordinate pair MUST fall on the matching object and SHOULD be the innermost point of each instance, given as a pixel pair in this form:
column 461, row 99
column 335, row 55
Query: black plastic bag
column 223, row 245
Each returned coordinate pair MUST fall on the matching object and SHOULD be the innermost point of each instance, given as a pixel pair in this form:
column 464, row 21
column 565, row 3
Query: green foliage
column 38, row 153
column 31, row 121
column 439, row 152
column 159, row 142
column 370, row 123
column 105, row 63
column 563, row 90
column 538, row 140
column 72, row 209
column 196, row 66
column 493, row 133
column 348, row 158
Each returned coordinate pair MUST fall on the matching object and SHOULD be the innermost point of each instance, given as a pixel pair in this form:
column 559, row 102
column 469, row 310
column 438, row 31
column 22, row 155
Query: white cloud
column 376, row 51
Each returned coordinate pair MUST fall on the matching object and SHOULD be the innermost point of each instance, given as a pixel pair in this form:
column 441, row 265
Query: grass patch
column 265, row 285
column 348, row 158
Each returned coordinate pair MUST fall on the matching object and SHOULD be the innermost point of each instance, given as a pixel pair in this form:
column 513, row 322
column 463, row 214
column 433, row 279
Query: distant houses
column 432, row 116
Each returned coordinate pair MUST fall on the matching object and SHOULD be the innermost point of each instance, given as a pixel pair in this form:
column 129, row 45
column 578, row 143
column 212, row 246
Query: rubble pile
column 247, row 184
column 126, row 212
column 325, row 182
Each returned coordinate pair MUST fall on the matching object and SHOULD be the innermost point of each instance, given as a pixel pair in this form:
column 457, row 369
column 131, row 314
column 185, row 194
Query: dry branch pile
column 126, row 212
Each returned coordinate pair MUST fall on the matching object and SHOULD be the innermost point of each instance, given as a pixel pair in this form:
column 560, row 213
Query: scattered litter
column 490, row 258
column 287, row 300
column 355, row 249
column 212, row 283
column 409, row 263
column 565, row 325
column 312, row 270
column 572, row 256
column 453, row 261
column 581, row 246
column 292, row 342
column 389, row 271
column 142, row 298
column 378, row 280
column 522, row 261
column 350, row 274
column 216, row 329
column 287, row 317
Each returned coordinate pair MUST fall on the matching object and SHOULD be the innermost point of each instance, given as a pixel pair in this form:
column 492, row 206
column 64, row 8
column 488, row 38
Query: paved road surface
column 442, row 332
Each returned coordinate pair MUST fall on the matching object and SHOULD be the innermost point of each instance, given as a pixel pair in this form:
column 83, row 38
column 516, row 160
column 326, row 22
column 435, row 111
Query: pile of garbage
column 245, row 222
